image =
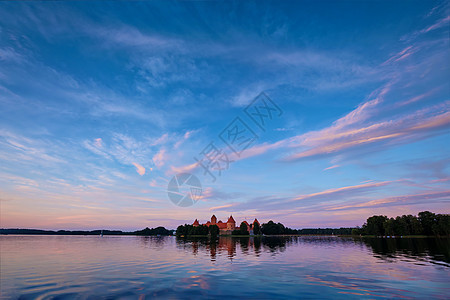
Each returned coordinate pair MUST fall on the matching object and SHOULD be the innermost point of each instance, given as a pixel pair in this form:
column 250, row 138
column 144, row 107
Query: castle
column 229, row 226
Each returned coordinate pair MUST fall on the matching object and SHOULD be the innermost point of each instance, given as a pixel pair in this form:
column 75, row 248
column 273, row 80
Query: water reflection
column 429, row 249
column 257, row 267
column 229, row 245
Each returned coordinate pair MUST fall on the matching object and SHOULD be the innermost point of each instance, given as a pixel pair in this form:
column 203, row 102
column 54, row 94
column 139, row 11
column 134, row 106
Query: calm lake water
column 167, row 267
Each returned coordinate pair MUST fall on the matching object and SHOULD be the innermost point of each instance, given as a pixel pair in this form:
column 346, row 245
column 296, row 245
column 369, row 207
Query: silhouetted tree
column 256, row 228
column 214, row 230
column 375, row 225
column 389, row 226
column 271, row 228
column 442, row 226
column 154, row 231
column 356, row 231
column 243, row 229
column 428, row 221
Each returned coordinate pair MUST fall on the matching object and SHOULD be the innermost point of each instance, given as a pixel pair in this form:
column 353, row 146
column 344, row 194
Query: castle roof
column 256, row 221
column 231, row 220
column 196, row 222
column 245, row 222
column 222, row 225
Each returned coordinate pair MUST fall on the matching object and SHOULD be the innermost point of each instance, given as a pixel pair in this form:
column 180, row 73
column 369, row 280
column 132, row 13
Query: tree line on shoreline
column 426, row 223
column 269, row 228
column 147, row 231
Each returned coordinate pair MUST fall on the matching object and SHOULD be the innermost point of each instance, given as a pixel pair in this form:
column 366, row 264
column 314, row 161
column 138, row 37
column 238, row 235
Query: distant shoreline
column 161, row 231
column 226, row 236
column 145, row 232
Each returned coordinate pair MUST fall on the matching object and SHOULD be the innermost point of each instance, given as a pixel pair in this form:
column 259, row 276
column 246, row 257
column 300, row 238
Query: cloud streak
column 140, row 169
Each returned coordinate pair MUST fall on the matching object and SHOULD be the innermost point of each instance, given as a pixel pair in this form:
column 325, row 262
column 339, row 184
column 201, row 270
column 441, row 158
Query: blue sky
column 101, row 103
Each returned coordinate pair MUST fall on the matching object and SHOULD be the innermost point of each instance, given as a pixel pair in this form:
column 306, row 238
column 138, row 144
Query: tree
column 389, row 226
column 181, row 230
column 154, row 231
column 413, row 225
column 214, row 230
column 442, row 226
column 375, row 225
column 356, row 231
column 401, row 226
column 272, row 228
column 428, row 221
column 243, row 229
column 256, row 228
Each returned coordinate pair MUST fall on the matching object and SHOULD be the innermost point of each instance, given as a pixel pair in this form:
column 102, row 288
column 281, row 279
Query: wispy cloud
column 332, row 167
column 140, row 169
column 292, row 203
column 404, row 129
column 160, row 158
column 422, row 198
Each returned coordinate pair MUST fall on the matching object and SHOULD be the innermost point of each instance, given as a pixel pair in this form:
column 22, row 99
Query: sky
column 102, row 103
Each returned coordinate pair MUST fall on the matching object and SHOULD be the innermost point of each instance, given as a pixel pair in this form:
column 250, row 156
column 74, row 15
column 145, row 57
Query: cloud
column 353, row 131
column 414, row 199
column 140, row 169
column 404, row 129
column 185, row 137
column 184, row 168
column 418, row 97
column 400, row 55
column 131, row 37
column 159, row 159
column 331, row 167
column 221, row 207
column 98, row 143
column 307, row 201
column 341, row 191
column 440, row 23
column 9, row 55
column 161, row 140
column 120, row 147
column 16, row 147
column 214, row 194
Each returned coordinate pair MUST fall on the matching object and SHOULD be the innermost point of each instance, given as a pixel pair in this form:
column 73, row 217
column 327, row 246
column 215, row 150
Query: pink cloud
column 222, row 207
column 342, row 135
column 398, row 200
column 160, row 158
column 441, row 23
column 400, row 55
column 417, row 98
column 332, row 167
column 98, row 143
column 343, row 189
column 185, row 168
column 140, row 169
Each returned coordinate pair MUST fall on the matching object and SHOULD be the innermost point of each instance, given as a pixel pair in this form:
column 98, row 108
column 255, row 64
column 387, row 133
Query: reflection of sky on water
column 36, row 266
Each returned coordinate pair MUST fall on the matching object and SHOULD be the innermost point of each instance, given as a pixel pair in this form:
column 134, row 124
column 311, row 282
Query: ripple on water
column 136, row 267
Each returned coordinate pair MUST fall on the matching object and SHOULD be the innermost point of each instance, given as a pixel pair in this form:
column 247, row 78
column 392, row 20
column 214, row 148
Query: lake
column 131, row 267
